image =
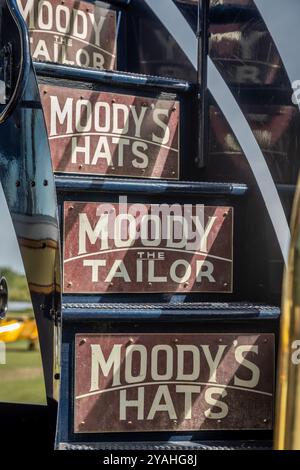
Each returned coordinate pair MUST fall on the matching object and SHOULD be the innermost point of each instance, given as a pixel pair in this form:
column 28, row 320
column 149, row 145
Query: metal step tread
column 209, row 311
column 91, row 183
column 109, row 77
column 178, row 306
column 184, row 445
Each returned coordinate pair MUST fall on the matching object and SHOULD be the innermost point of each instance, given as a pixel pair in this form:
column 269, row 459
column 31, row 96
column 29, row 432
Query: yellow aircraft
column 17, row 329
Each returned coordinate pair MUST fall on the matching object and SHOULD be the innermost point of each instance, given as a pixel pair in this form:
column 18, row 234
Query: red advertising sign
column 71, row 32
column 114, row 248
column 173, row 382
column 104, row 133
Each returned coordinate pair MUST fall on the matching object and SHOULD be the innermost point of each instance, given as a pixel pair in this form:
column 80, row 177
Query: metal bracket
column 56, row 316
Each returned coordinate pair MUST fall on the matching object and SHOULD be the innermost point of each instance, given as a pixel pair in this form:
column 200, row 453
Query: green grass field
column 21, row 378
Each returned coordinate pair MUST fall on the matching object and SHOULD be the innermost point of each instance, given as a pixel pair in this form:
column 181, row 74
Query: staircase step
column 68, row 183
column 112, row 78
column 171, row 445
column 86, row 311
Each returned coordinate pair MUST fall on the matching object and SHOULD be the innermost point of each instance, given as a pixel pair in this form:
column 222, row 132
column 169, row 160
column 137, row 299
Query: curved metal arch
column 24, row 62
column 28, row 183
column 175, row 23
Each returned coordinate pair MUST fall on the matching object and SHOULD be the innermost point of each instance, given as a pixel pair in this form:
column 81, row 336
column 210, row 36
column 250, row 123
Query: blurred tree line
column 17, row 285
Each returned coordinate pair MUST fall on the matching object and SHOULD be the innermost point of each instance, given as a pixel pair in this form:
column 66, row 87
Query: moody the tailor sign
column 120, row 247
column 71, row 32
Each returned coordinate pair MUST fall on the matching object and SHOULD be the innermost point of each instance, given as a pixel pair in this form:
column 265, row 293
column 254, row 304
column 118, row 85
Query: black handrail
column 24, row 62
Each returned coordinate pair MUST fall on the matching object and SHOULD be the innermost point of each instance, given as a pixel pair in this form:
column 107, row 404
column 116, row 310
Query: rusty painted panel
column 111, row 134
column 131, row 248
column 167, row 382
column 71, row 32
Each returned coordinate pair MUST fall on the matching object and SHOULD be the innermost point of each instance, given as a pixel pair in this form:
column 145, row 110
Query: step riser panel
column 74, row 33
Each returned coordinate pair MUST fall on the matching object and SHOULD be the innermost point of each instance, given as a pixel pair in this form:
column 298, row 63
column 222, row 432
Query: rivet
column 186, row 284
column 225, row 284
column 82, row 341
column 149, row 283
column 45, row 182
column 265, row 420
column 130, row 422
column 45, row 92
column 82, row 423
column 56, row 376
column 70, row 284
column 220, row 340
column 80, row 166
column 70, row 208
column 174, row 108
column 32, row 184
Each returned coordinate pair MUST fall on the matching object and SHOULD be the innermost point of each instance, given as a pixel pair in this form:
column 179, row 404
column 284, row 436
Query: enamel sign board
column 173, row 382
column 71, row 32
column 103, row 133
column 138, row 248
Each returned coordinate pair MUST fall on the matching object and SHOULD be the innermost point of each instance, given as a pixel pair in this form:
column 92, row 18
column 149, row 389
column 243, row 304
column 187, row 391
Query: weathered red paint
column 71, row 32
column 143, row 150
column 160, row 268
column 149, row 366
